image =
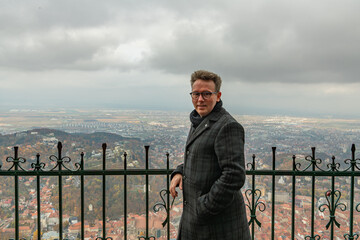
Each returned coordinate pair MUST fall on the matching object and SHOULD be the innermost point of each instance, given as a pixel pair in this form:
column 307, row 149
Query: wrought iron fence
column 61, row 169
column 311, row 169
column 253, row 196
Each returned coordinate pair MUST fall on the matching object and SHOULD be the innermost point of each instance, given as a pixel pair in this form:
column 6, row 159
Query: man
column 213, row 170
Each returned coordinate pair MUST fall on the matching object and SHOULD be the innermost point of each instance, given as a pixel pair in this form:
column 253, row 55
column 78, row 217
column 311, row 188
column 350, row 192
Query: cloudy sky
column 287, row 57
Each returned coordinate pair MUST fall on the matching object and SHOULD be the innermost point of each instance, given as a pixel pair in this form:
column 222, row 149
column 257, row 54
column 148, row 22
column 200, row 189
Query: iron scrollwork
column 316, row 237
column 38, row 166
column 333, row 166
column 256, row 194
column 252, row 165
column 332, row 207
column 358, row 207
column 330, row 196
column 16, row 161
column 353, row 163
column 61, row 160
column 353, row 237
column 147, row 238
column 313, row 162
column 158, row 206
column 258, row 204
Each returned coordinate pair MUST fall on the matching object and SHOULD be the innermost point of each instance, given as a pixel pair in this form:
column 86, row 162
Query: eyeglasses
column 205, row 95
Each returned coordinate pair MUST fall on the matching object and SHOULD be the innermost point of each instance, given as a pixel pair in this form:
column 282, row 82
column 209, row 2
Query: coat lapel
column 194, row 133
column 204, row 125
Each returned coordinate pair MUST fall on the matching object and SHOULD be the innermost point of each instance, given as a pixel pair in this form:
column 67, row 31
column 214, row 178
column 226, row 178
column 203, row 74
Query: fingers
column 172, row 188
column 180, row 184
column 173, row 192
column 176, row 181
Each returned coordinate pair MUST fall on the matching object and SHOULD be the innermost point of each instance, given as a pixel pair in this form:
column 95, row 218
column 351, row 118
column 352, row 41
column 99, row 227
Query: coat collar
column 204, row 125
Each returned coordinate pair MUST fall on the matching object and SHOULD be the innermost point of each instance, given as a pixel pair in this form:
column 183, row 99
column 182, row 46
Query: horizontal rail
column 87, row 172
column 306, row 173
column 167, row 172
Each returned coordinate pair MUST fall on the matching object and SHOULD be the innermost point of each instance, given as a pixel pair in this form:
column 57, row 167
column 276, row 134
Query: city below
column 38, row 131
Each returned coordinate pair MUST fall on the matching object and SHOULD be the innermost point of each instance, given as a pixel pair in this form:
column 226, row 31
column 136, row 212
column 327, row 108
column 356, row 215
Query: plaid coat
column 213, row 173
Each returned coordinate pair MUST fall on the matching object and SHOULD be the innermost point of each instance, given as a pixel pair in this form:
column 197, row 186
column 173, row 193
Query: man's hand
column 176, row 181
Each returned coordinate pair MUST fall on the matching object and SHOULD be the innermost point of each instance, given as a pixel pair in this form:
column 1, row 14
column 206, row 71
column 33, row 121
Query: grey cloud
column 46, row 35
column 27, row 16
column 253, row 41
column 279, row 41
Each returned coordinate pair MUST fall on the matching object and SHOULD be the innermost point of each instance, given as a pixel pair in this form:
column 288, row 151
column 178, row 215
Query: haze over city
column 296, row 58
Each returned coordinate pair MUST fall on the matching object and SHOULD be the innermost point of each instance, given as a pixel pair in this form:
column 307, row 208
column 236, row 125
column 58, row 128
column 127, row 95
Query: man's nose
column 201, row 98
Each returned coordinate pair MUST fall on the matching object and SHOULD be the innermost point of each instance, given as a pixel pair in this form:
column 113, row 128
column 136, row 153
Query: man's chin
column 203, row 113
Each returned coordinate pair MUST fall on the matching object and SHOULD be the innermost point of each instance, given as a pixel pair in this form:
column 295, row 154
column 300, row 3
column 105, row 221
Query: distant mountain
column 33, row 136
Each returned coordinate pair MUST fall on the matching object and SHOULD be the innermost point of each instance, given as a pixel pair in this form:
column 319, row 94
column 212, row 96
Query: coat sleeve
column 179, row 169
column 229, row 149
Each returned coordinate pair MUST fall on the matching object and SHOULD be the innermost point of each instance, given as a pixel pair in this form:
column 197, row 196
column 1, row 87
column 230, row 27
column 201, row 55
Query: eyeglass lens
column 205, row 95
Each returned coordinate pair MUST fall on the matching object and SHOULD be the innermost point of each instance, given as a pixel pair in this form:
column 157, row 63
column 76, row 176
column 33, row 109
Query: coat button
column 187, row 152
column 184, row 177
column 185, row 203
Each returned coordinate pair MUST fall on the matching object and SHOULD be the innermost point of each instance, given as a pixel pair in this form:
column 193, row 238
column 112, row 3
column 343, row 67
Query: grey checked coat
column 213, row 173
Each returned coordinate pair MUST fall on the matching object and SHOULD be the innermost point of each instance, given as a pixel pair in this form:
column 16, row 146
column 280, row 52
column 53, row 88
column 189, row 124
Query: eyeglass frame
column 202, row 94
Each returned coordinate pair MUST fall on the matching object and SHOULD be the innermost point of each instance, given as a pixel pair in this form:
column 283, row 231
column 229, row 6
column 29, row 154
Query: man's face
column 201, row 105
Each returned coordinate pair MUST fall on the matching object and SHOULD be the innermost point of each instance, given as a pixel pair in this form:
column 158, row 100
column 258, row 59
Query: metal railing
column 253, row 196
column 61, row 169
column 312, row 169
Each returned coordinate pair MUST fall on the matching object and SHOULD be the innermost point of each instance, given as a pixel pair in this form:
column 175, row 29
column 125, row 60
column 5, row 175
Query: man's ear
column 218, row 95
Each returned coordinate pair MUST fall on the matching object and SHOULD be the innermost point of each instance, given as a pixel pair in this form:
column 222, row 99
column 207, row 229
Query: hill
column 31, row 137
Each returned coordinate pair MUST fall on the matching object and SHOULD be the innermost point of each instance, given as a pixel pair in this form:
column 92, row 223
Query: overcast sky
column 287, row 57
